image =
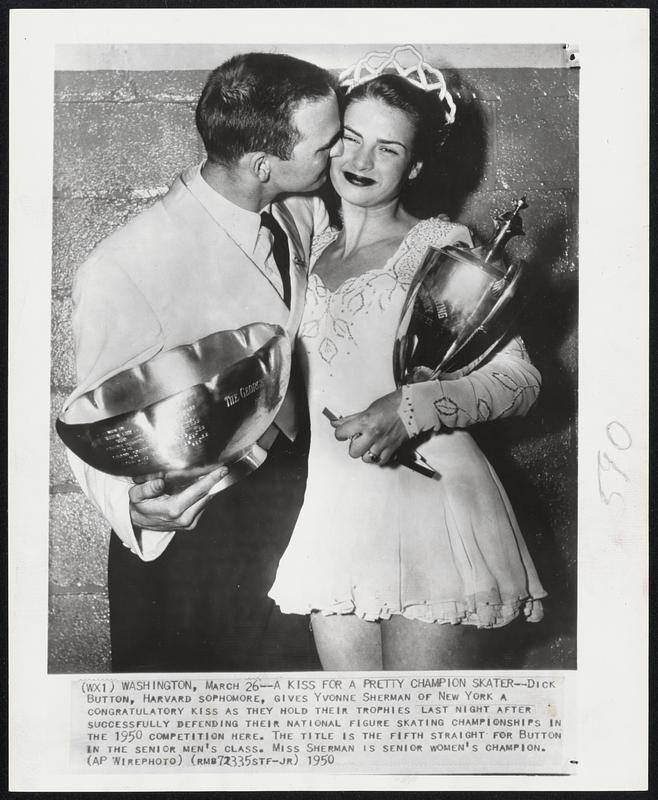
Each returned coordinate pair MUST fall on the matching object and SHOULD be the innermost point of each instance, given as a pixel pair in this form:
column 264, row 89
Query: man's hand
column 376, row 433
column 154, row 510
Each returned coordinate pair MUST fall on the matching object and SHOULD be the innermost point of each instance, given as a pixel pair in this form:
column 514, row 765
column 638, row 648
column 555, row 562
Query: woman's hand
column 376, row 433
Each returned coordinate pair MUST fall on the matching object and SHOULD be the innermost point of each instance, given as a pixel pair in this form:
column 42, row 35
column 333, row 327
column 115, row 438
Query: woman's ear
column 415, row 171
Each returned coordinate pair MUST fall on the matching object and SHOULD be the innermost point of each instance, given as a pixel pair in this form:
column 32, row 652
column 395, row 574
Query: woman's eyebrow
column 381, row 141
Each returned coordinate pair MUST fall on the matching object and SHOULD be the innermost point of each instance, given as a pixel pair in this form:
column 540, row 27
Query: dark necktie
column 280, row 251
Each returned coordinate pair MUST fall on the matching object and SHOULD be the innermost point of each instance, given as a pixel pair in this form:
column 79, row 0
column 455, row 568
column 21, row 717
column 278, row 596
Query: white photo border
column 613, row 337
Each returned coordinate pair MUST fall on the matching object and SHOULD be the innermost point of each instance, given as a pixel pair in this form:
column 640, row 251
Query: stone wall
column 122, row 137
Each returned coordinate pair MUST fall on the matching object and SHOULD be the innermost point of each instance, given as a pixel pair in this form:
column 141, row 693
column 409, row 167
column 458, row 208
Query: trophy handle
column 249, row 462
column 246, row 462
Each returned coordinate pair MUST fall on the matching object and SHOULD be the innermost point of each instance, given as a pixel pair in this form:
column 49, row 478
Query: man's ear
column 258, row 165
column 415, row 171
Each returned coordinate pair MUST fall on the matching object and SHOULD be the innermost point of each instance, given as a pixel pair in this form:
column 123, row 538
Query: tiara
column 418, row 73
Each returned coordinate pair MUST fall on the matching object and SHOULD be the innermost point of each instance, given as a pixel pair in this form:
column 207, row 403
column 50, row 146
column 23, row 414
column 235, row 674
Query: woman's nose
column 362, row 159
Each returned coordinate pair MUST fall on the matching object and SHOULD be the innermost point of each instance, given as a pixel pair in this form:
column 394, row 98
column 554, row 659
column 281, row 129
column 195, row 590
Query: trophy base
column 246, row 463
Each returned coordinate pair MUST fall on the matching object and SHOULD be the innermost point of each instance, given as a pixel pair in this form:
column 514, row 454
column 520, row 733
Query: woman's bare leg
column 346, row 642
column 411, row 644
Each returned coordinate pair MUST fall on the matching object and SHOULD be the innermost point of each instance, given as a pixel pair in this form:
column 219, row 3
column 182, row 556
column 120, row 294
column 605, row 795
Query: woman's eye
column 349, row 138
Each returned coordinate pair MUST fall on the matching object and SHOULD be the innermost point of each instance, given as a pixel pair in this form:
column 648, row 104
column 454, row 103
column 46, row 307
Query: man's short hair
column 248, row 102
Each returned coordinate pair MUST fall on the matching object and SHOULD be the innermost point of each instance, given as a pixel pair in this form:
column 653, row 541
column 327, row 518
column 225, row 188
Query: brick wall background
column 122, row 137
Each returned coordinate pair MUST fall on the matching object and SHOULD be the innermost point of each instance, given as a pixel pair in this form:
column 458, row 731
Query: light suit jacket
column 169, row 277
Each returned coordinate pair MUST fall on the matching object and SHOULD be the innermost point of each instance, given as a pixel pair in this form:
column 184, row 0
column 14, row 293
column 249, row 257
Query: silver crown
column 406, row 62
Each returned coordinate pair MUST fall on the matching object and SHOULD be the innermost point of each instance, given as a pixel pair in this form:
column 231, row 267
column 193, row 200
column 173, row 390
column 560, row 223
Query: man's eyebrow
column 380, row 141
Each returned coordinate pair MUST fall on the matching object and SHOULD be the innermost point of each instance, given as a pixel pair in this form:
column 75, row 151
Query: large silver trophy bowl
column 459, row 306
column 186, row 411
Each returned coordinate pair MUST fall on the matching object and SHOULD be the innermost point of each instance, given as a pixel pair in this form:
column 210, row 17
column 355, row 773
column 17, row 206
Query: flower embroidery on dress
column 310, row 329
column 327, row 350
column 508, row 395
column 329, row 314
column 515, row 390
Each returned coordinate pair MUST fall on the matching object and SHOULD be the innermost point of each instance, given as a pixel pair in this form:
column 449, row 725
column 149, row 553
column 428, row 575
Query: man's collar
column 241, row 225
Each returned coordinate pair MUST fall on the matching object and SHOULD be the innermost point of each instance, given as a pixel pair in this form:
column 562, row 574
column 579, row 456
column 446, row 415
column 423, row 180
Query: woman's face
column 376, row 159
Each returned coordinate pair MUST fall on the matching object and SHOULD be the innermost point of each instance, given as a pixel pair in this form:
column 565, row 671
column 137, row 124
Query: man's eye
column 388, row 150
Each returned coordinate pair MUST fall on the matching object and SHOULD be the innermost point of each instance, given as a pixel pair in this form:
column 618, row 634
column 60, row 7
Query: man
column 189, row 573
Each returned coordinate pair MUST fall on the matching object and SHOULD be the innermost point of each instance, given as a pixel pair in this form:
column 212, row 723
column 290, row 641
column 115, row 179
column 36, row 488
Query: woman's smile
column 357, row 180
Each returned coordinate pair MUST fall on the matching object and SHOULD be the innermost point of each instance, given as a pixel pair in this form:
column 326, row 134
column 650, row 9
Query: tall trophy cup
column 459, row 307
column 185, row 411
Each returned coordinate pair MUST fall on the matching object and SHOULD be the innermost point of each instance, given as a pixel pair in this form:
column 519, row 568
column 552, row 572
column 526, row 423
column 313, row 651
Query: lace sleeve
column 505, row 385
column 433, row 232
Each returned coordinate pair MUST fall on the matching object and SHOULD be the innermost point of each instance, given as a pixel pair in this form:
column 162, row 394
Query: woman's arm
column 505, row 385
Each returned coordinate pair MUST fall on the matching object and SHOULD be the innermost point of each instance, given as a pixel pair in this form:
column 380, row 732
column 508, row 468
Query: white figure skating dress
column 377, row 541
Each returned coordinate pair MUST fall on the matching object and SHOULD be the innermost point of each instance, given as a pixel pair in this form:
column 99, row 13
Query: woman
column 381, row 556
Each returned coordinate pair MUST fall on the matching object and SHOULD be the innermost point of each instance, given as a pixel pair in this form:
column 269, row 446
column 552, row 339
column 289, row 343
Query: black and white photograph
column 319, row 391
column 439, row 510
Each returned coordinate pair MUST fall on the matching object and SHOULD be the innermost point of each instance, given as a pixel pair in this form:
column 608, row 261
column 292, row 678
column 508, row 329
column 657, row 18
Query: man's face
column 318, row 122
